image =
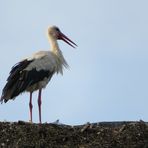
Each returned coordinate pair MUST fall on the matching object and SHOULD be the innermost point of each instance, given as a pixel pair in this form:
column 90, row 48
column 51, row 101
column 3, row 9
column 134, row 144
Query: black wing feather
column 19, row 79
column 13, row 78
column 15, row 73
column 29, row 78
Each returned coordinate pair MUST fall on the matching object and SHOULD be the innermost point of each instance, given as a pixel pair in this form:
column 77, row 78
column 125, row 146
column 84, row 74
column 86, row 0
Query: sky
column 108, row 75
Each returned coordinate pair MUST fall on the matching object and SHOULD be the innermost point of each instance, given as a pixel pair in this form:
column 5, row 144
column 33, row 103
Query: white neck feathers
column 54, row 47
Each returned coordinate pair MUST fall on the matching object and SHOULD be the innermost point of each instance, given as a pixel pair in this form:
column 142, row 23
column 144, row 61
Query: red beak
column 67, row 40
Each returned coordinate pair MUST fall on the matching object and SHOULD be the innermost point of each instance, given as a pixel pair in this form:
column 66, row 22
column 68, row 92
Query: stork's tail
column 6, row 95
column 3, row 99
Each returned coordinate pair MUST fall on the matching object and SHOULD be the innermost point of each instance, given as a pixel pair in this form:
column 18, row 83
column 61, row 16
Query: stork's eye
column 57, row 29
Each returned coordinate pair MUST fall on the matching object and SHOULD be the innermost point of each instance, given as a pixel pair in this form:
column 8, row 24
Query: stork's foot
column 23, row 122
column 30, row 121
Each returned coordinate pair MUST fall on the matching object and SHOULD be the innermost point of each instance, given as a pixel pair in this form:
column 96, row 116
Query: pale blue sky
column 108, row 76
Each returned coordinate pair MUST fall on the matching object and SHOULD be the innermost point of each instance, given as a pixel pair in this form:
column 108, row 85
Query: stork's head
column 58, row 35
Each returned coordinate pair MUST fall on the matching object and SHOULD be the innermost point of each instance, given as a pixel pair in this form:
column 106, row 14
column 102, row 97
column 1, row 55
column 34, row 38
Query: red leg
column 39, row 104
column 30, row 106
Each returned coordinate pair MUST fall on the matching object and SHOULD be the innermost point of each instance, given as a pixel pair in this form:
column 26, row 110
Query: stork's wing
column 19, row 79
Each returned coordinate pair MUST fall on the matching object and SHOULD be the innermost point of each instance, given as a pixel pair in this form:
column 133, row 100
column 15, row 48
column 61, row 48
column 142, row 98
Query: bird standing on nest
column 35, row 72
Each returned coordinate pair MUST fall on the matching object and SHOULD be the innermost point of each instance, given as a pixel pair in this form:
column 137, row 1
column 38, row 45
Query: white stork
column 35, row 72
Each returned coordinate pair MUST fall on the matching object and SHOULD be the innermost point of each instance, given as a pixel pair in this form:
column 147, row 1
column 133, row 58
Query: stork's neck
column 54, row 47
